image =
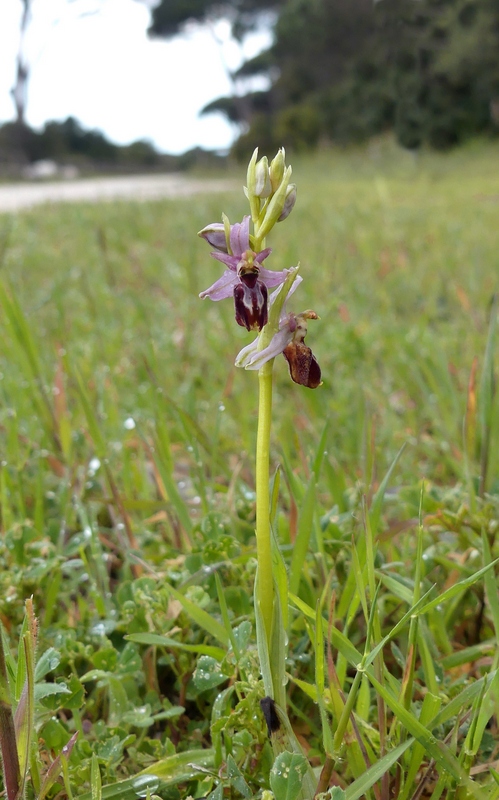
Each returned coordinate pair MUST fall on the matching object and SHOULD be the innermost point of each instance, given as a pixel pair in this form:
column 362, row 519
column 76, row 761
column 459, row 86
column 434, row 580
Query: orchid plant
column 240, row 247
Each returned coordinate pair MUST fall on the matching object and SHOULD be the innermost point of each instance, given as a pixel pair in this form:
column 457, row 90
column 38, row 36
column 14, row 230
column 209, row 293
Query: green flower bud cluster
column 270, row 193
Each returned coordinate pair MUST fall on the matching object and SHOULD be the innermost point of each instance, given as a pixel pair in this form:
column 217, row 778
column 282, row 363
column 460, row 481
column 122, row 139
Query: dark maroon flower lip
column 303, row 366
column 251, row 306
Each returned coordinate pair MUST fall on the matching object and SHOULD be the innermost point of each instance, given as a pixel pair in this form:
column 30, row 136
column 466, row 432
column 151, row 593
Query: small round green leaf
column 287, row 774
column 208, row 674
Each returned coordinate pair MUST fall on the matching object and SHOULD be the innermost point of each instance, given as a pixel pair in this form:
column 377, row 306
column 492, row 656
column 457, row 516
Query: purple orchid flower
column 289, row 340
column 244, row 279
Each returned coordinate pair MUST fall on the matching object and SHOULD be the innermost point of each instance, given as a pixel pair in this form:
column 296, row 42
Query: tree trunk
column 19, row 91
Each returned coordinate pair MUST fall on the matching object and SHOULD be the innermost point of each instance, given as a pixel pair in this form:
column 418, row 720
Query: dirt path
column 16, row 196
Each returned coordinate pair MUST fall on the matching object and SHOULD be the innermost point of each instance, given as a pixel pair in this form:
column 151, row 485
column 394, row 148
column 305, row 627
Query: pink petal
column 251, row 358
column 239, row 236
column 272, row 278
column 222, row 288
column 230, row 261
column 262, row 255
column 294, row 287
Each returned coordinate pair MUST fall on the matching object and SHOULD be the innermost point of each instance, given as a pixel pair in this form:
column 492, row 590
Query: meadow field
column 127, row 490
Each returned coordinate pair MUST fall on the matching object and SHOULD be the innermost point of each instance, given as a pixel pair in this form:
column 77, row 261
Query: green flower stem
column 265, row 586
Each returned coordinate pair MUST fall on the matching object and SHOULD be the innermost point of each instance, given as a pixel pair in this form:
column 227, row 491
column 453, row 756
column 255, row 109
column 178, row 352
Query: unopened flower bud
column 215, row 235
column 251, row 175
column 289, row 202
column 276, row 205
column 263, row 186
column 277, row 167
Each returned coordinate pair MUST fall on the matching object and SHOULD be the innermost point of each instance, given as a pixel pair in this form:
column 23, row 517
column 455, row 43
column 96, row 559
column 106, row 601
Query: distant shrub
column 298, row 127
column 68, row 142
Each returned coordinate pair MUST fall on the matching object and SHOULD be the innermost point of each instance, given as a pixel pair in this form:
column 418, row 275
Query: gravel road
column 16, row 196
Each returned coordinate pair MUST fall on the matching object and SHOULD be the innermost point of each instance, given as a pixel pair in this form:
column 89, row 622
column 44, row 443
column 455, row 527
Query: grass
column 127, row 488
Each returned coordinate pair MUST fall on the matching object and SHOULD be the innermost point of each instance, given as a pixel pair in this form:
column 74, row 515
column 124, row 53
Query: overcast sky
column 102, row 69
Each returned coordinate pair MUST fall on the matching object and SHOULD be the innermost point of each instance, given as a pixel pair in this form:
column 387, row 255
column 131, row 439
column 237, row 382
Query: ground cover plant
column 127, row 492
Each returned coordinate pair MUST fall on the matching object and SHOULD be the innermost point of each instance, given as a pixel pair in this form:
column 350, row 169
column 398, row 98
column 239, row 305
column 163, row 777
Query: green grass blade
column 461, row 701
column 430, row 707
column 95, row 779
column 457, row 588
column 131, row 788
column 25, row 712
column 434, row 749
column 490, row 581
column 56, row 768
column 485, row 710
column 327, row 737
column 201, row 617
column 358, row 571
column 338, row 639
column 486, row 396
column 280, row 574
column 428, row 657
column 306, row 518
column 377, row 501
column 274, row 495
column 158, row 640
column 395, row 585
column 321, row 451
column 90, row 416
column 416, row 609
column 180, row 767
column 362, row 785
column 469, row 654
column 225, row 616
column 305, row 525
column 26, row 343
column 263, row 648
column 22, row 667
column 277, row 653
column 164, row 462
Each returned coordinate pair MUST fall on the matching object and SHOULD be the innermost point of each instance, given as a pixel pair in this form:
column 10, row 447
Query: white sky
column 102, row 69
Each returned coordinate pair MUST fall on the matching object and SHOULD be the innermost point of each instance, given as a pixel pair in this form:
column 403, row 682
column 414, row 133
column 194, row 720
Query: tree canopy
column 345, row 70
column 169, row 16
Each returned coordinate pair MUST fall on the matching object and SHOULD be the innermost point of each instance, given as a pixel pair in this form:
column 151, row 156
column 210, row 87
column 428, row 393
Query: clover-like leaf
column 208, row 674
column 287, row 774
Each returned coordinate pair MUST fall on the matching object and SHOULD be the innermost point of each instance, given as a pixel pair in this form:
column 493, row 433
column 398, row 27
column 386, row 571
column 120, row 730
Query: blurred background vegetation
column 346, row 70
column 337, row 71
column 85, row 152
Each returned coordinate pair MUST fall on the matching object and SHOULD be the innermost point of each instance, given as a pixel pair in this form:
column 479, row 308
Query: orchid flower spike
column 289, row 340
column 245, row 278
